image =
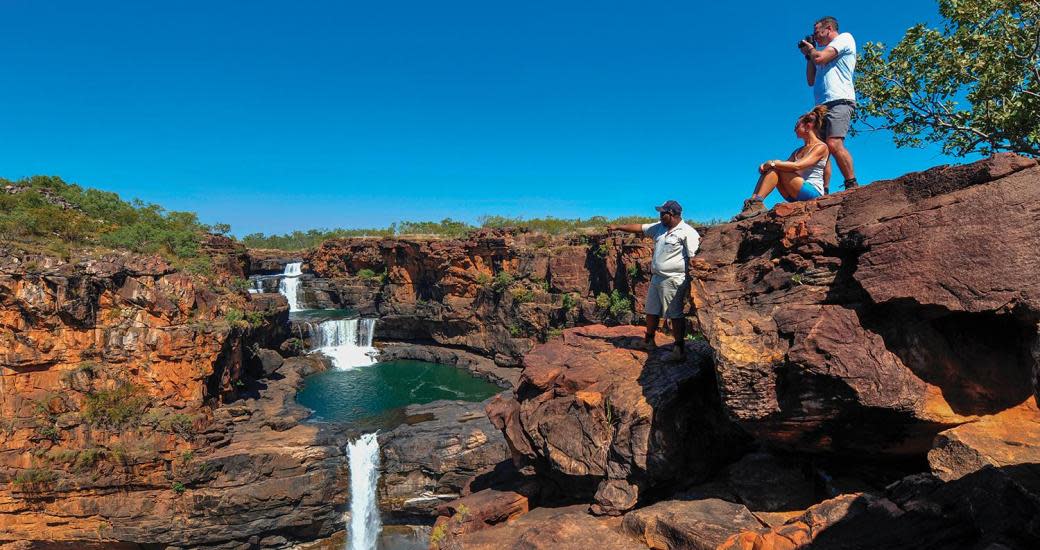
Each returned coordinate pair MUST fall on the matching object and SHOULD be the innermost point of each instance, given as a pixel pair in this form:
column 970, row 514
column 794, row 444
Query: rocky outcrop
column 495, row 293
column 870, row 321
column 431, row 458
column 597, row 416
column 138, row 407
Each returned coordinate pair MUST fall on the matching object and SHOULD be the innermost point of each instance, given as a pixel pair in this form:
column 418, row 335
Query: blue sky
column 273, row 116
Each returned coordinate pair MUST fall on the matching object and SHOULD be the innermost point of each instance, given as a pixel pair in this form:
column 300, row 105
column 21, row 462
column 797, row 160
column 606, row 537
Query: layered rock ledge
column 872, row 320
column 597, row 416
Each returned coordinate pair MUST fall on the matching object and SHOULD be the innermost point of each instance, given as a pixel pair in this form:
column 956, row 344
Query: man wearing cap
column 675, row 243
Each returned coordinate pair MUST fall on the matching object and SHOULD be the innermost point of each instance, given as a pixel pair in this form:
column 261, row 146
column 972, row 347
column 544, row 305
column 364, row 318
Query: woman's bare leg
column 790, row 185
column 766, row 183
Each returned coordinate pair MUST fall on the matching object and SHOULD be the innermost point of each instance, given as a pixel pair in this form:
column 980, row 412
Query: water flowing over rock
column 364, row 479
column 495, row 293
column 289, row 286
column 348, row 342
column 873, row 320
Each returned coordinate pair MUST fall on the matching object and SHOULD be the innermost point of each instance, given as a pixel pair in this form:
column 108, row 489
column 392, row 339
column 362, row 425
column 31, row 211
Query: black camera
column 808, row 38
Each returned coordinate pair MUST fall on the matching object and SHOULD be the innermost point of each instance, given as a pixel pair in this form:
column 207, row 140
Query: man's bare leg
column 652, row 322
column 679, row 332
column 843, row 157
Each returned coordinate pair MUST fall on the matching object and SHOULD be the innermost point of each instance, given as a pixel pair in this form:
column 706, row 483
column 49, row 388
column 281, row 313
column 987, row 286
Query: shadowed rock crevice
column 981, row 362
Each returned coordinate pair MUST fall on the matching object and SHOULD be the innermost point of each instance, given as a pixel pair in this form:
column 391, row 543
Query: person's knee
column 836, row 145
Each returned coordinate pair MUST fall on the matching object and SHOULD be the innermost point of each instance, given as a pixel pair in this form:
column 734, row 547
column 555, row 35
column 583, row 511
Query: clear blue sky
column 273, row 116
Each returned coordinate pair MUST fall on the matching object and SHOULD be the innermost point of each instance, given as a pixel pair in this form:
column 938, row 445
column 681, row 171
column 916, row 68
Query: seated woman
column 800, row 177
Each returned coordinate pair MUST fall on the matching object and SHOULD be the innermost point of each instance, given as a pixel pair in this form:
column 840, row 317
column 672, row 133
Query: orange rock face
column 109, row 368
column 495, row 293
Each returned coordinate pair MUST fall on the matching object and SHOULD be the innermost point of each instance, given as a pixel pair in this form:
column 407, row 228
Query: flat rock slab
column 596, row 414
column 568, row 528
column 694, row 524
column 1006, row 439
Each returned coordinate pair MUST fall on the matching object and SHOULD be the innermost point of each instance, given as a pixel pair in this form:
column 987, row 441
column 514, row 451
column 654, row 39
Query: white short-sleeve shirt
column 834, row 79
column 673, row 248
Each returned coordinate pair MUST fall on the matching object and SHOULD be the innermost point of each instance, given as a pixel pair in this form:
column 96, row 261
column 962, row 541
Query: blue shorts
column 807, row 193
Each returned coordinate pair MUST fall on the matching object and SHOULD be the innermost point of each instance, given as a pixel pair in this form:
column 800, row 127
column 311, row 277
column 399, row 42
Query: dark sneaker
column 752, row 207
column 851, row 184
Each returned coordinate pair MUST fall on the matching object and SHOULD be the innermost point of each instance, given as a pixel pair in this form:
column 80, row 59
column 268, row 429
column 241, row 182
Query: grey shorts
column 666, row 297
column 838, row 120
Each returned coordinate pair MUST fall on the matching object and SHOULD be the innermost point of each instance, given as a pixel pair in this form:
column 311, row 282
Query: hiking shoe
column 645, row 345
column 752, row 207
column 851, row 184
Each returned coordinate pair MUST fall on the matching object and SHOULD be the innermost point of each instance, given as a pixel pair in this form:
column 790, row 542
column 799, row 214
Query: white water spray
column 348, row 342
column 289, row 284
column 363, row 455
column 258, row 286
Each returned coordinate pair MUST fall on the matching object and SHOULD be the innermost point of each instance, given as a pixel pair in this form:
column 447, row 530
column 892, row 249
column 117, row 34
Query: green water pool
column 375, row 395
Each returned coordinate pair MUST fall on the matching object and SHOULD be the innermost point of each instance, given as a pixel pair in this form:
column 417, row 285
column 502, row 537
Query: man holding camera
column 830, row 59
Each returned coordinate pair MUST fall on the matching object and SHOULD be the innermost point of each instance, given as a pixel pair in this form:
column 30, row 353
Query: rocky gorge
column 871, row 358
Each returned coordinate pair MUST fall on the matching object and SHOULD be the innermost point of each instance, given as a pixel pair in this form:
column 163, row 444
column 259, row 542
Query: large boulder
column 431, row 458
column 595, row 415
column 872, row 320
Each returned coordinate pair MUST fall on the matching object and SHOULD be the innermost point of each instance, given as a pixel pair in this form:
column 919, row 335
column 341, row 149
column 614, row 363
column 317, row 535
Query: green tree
column 973, row 86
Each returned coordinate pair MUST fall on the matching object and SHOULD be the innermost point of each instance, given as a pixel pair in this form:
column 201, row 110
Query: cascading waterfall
column 258, row 286
column 289, row 284
column 348, row 342
column 363, row 455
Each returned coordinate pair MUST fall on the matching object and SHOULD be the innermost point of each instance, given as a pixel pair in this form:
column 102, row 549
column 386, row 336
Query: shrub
column 554, row 333
column 34, row 477
column 502, row 281
column 523, row 295
column 615, row 303
column 569, row 301
column 483, row 279
column 366, row 273
column 178, row 487
column 116, row 408
column 515, row 330
column 635, row 271
column 179, row 424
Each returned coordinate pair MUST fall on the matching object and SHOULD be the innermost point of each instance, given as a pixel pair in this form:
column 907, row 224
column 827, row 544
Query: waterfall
column 348, row 342
column 363, row 454
column 289, row 283
column 258, row 286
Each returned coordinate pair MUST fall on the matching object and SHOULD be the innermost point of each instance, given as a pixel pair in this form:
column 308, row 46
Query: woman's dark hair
column 815, row 119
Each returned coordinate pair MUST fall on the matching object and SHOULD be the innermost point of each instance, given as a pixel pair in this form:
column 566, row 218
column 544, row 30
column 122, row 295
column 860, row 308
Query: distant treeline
column 448, row 227
column 47, row 212
column 55, row 216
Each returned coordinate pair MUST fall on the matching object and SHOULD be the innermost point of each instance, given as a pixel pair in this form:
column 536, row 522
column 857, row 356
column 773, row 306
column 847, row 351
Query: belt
column 848, row 102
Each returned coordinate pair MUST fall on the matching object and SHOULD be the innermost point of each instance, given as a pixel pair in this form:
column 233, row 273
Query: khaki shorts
column 666, row 297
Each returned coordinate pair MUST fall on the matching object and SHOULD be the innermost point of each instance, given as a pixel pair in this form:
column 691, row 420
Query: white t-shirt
column 672, row 248
column 834, row 79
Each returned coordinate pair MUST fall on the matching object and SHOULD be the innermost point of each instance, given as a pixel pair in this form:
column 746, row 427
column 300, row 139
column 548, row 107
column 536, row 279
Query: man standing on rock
column 829, row 71
column 675, row 243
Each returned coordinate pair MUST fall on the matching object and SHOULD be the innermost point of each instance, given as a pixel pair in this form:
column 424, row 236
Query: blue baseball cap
column 671, row 207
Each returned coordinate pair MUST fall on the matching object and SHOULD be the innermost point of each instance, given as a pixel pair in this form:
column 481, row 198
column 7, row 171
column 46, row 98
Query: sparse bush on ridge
column 47, row 210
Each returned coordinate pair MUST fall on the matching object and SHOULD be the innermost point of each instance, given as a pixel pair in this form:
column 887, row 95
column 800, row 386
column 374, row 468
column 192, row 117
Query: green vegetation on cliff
column 47, row 211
